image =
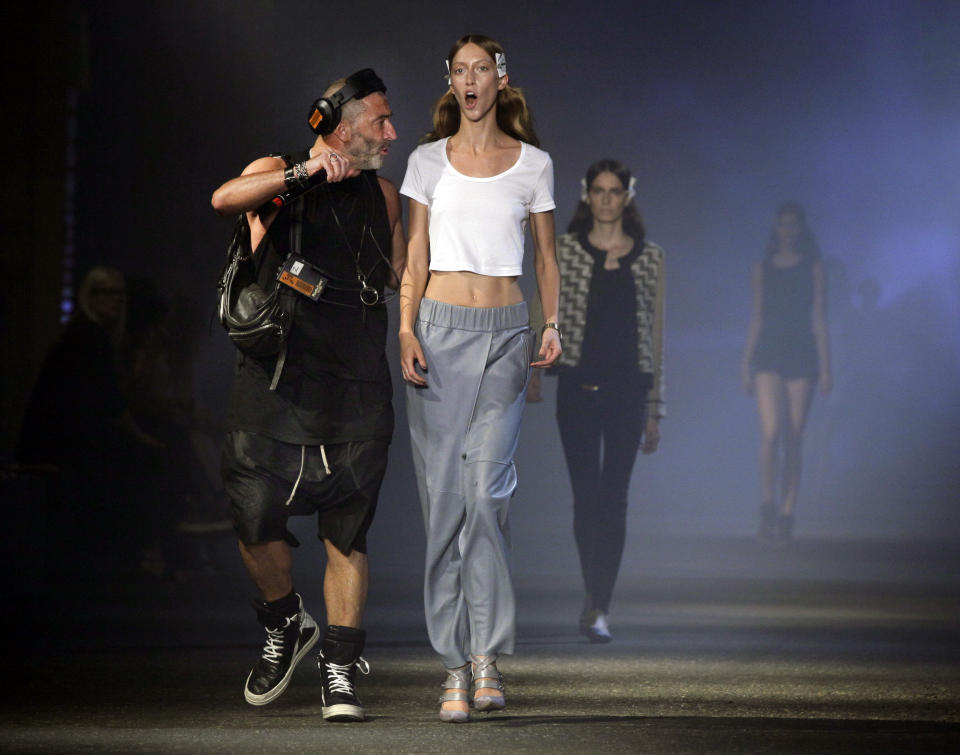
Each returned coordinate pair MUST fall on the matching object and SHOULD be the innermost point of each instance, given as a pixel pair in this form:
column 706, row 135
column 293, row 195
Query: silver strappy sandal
column 486, row 676
column 457, row 679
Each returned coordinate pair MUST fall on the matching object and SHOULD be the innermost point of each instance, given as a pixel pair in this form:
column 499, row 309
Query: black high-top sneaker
column 339, row 659
column 289, row 637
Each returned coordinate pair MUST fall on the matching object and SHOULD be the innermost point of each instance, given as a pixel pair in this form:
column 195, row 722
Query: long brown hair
column 513, row 116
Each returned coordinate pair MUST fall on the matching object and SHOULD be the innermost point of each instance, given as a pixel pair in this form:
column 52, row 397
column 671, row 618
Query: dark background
column 722, row 109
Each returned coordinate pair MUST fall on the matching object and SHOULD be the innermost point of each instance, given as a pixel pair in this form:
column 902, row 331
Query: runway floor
column 821, row 647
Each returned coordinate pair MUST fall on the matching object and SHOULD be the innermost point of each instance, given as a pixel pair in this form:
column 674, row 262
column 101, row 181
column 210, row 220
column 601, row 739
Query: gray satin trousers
column 464, row 428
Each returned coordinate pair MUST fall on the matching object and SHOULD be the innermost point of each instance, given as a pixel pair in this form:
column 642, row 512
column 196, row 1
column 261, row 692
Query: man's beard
column 365, row 154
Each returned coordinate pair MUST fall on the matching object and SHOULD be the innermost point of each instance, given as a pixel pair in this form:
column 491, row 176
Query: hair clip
column 501, row 66
column 631, row 189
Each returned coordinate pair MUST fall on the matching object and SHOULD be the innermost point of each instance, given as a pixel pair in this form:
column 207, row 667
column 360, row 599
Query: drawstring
column 303, row 462
column 303, row 459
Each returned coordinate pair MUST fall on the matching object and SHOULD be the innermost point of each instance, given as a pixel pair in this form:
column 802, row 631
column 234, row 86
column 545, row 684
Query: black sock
column 342, row 644
column 272, row 611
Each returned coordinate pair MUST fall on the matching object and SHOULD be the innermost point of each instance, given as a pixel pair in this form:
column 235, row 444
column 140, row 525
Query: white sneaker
column 593, row 625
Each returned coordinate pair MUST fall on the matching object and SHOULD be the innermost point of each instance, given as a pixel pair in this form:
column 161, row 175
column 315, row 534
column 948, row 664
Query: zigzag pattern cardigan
column 649, row 275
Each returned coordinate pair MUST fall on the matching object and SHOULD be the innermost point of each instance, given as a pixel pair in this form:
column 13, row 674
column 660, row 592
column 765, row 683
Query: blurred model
column 787, row 354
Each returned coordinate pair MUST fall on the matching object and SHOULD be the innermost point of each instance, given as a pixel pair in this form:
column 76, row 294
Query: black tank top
column 335, row 386
column 787, row 299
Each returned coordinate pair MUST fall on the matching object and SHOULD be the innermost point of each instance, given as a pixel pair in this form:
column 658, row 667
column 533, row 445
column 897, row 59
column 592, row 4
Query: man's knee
column 270, row 551
column 352, row 559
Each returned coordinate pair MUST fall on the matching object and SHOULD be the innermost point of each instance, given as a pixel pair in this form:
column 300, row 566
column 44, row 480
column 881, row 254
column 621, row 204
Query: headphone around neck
column 325, row 113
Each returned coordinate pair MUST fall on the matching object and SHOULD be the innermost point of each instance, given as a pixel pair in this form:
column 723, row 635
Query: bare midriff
column 467, row 289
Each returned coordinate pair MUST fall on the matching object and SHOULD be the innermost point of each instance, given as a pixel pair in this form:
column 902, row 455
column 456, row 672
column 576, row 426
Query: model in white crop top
column 478, row 224
column 473, row 188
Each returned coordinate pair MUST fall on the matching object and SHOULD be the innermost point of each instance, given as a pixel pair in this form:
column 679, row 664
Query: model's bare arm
column 548, row 283
column 413, row 285
column 820, row 325
column 398, row 240
column 753, row 331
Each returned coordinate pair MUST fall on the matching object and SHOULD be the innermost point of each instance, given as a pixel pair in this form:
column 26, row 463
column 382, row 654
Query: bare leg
column 460, row 705
column 769, row 390
column 799, row 397
column 485, row 691
column 345, row 586
column 269, row 566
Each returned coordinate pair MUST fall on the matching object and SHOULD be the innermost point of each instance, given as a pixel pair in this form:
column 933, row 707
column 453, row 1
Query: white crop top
column 478, row 224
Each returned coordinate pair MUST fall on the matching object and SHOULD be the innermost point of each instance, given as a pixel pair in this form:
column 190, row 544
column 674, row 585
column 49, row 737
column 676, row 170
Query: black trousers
column 601, row 428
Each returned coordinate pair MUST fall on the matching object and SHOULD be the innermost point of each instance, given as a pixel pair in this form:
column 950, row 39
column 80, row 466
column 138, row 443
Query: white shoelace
column 274, row 647
column 339, row 675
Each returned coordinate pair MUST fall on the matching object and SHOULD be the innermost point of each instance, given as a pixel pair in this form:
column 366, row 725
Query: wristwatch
column 555, row 327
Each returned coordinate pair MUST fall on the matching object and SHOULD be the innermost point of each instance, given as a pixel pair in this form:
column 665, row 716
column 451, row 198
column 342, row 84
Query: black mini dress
column 786, row 344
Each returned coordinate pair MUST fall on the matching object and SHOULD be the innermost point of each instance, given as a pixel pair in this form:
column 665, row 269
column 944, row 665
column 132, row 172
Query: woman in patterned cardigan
column 610, row 393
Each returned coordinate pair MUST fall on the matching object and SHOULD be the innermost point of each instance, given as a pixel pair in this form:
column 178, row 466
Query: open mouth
column 470, row 99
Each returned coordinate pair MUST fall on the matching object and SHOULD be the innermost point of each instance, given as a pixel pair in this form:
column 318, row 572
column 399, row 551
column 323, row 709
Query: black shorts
column 269, row 480
column 789, row 356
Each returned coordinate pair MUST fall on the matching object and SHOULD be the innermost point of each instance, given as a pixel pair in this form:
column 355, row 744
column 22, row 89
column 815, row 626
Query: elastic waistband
column 474, row 318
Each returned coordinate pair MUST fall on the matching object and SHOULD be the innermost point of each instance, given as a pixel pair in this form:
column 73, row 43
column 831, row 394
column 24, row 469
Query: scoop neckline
column 446, row 160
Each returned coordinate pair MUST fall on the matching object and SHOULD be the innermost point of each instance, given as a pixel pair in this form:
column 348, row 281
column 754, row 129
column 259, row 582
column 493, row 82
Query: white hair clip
column 501, row 66
column 631, row 189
